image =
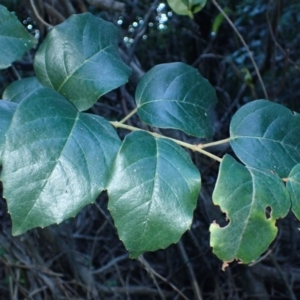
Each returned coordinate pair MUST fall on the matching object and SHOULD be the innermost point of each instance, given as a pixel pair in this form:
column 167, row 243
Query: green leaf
column 293, row 186
column 7, row 110
column 79, row 58
column 218, row 21
column 196, row 5
column 266, row 135
column 19, row 90
column 15, row 40
column 186, row 7
column 55, row 160
column 175, row 95
column 244, row 194
column 153, row 192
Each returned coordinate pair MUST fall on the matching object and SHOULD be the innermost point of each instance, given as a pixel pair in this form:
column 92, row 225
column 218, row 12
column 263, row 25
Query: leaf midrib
column 81, row 65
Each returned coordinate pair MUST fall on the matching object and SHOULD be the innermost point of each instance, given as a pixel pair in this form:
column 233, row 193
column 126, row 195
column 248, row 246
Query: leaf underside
column 55, row 160
column 244, row 194
column 152, row 193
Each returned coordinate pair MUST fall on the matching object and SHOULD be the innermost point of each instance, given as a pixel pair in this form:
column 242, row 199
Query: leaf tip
column 16, row 232
column 135, row 254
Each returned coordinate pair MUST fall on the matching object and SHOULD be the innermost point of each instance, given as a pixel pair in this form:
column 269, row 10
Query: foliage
column 153, row 192
column 176, row 96
column 67, row 157
column 77, row 53
column 244, row 193
column 14, row 38
column 187, row 7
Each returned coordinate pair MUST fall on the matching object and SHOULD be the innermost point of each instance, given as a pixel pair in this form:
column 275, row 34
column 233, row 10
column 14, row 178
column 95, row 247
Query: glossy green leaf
column 186, row 7
column 7, row 110
column 15, row 40
column 79, row 58
column 153, row 192
column 175, row 95
column 244, row 194
column 55, row 160
column 19, row 90
column 266, row 135
column 293, row 186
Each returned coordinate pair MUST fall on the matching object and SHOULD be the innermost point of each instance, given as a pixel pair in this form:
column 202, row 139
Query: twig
column 261, row 258
column 183, row 144
column 214, row 143
column 68, row 7
column 36, row 268
column 81, row 6
column 128, row 116
column 38, row 15
column 206, row 55
column 54, row 13
column 286, row 54
column 110, row 264
column 142, row 30
column 151, row 272
column 186, row 260
column 132, row 290
column 149, row 268
column 244, row 44
column 234, row 103
column 283, row 277
column 108, row 4
column 36, row 291
column 15, row 71
column 90, row 281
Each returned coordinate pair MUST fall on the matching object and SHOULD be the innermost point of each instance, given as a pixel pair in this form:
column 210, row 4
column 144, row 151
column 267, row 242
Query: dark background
column 82, row 258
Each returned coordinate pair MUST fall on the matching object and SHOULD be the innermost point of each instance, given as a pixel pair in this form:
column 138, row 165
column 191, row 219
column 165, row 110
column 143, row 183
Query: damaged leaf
column 246, row 194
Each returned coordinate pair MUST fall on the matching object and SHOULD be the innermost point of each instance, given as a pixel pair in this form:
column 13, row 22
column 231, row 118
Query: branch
column 54, row 13
column 129, row 116
column 108, row 4
column 178, row 142
column 244, row 44
column 38, row 15
column 273, row 36
column 214, row 143
column 68, row 7
column 153, row 273
column 188, row 264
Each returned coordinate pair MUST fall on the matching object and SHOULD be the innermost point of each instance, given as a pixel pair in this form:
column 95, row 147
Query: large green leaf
column 79, row 58
column 293, row 186
column 15, row 40
column 175, row 95
column 55, row 160
column 153, row 192
column 19, row 90
column 245, row 194
column 7, row 110
column 266, row 135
